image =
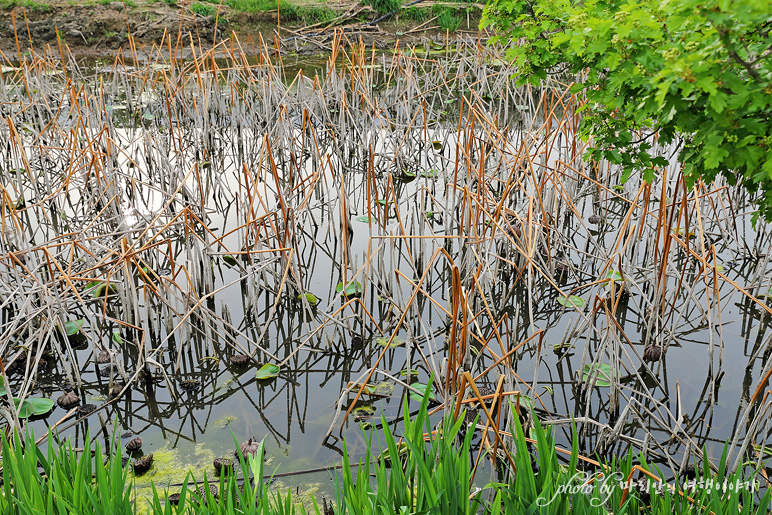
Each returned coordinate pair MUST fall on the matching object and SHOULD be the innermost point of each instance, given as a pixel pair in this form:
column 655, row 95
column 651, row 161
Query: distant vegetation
column 288, row 11
column 384, row 6
column 695, row 74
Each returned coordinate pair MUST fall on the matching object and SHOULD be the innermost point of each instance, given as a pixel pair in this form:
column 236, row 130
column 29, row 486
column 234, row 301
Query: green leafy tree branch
column 694, row 72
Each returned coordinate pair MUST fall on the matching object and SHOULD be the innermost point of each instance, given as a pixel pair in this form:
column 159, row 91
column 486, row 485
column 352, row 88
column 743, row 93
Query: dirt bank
column 99, row 28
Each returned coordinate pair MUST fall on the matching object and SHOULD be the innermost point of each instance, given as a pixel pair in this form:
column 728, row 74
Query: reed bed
column 170, row 214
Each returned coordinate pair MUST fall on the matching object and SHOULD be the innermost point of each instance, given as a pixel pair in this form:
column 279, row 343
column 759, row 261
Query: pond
column 368, row 218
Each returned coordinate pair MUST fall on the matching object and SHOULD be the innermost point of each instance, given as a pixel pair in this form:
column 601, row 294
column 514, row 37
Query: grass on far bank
column 30, row 5
column 287, row 10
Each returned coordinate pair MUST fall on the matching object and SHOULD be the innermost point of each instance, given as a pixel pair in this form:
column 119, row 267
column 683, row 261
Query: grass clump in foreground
column 424, row 471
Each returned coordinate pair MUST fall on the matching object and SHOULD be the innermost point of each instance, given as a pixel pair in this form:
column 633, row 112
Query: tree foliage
column 693, row 71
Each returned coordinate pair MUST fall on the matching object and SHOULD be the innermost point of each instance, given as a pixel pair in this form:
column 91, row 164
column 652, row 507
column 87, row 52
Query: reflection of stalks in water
column 468, row 272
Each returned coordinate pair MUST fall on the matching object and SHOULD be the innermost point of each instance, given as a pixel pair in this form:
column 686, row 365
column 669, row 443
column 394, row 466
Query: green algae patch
column 169, row 468
column 225, row 421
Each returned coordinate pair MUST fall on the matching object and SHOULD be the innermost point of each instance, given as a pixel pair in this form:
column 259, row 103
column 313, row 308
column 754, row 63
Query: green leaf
column 230, row 260
column 352, row 288
column 117, row 338
column 625, row 175
column 524, row 401
column 72, row 327
column 99, row 288
column 603, row 371
column 573, row 301
column 23, row 408
column 268, row 371
column 562, row 347
column 310, row 297
column 363, row 412
column 424, row 388
column 396, row 342
column 33, row 406
column 40, row 405
column 363, row 219
column 613, row 275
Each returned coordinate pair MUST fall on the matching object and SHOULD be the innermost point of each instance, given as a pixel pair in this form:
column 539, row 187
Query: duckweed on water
column 169, row 469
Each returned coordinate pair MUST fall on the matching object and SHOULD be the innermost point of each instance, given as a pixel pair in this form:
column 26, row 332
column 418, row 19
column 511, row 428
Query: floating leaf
column 681, row 231
column 613, row 275
column 268, row 371
column 430, row 173
column 99, row 288
column 383, row 389
column 525, row 402
column 365, row 412
column 117, row 337
column 437, row 145
column 396, row 342
column 33, row 406
column 148, row 116
column 363, row 219
column 147, row 275
column 230, row 260
column 23, row 408
column 352, row 288
column 40, row 405
column 408, row 373
column 72, row 327
column 603, row 372
column 619, row 187
column 429, row 214
column 573, row 301
column 424, row 388
column 563, row 346
column 310, row 297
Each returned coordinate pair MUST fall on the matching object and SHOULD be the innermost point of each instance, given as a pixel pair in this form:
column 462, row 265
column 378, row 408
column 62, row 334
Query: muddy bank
column 92, row 29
